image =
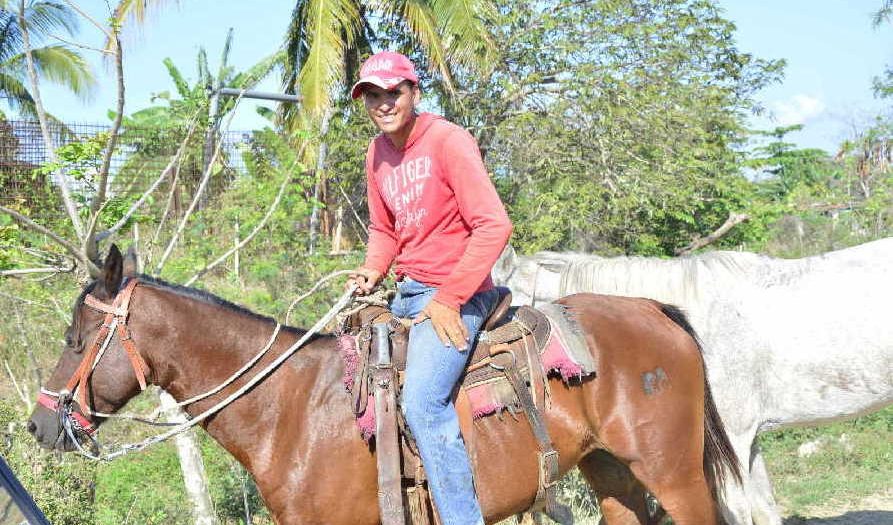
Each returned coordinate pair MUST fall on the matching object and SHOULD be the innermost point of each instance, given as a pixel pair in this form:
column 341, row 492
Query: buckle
column 548, row 468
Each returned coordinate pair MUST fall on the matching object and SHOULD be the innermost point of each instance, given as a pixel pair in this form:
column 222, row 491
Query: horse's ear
column 131, row 263
column 112, row 274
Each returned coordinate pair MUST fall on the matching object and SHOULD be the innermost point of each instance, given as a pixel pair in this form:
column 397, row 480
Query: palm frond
column 425, row 29
column 295, row 47
column 60, row 65
column 883, row 14
column 134, row 13
column 204, row 72
column 10, row 36
column 224, row 71
column 13, row 89
column 464, row 26
column 179, row 82
column 331, row 27
column 46, row 17
column 248, row 79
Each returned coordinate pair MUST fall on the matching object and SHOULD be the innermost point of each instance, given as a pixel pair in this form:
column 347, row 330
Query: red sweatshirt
column 433, row 208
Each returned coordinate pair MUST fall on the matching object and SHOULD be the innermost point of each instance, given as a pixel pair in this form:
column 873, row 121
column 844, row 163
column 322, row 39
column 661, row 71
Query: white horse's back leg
column 735, row 499
column 762, row 503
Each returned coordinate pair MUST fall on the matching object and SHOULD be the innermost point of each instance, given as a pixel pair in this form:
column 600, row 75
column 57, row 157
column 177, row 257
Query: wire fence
column 140, row 157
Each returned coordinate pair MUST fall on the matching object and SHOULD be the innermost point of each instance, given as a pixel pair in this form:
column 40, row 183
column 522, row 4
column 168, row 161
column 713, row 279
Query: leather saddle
column 506, row 357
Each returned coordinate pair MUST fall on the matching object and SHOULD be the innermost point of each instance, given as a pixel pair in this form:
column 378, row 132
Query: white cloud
column 797, row 109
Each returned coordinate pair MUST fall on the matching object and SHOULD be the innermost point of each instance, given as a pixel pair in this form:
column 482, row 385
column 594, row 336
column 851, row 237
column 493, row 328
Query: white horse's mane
column 702, row 277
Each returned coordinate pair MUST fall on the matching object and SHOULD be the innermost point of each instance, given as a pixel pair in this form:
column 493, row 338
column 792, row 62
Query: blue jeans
column 432, row 371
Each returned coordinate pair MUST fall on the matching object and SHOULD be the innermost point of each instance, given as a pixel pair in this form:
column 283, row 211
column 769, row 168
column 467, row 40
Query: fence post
column 236, row 262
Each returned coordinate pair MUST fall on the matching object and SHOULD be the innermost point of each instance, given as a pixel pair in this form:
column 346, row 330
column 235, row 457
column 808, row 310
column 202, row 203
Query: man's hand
column 447, row 324
column 365, row 278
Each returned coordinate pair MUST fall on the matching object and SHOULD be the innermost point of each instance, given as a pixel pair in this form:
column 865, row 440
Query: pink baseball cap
column 386, row 70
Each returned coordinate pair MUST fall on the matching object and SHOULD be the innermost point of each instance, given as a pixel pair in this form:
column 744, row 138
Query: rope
column 199, row 397
column 380, row 297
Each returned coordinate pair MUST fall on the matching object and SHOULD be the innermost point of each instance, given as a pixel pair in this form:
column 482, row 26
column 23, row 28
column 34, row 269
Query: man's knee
column 413, row 403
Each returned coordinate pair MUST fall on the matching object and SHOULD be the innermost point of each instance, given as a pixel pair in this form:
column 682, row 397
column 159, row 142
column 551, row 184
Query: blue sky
column 831, row 49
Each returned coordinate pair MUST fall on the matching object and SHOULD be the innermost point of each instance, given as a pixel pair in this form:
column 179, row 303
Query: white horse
column 787, row 342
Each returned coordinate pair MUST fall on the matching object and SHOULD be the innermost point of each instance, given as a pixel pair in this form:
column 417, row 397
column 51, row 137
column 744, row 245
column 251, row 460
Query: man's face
column 391, row 110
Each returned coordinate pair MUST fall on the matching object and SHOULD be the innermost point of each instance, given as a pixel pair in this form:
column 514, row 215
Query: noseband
column 76, row 388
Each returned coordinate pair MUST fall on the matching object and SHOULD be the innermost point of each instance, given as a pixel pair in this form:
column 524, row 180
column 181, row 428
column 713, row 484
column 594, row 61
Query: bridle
column 115, row 322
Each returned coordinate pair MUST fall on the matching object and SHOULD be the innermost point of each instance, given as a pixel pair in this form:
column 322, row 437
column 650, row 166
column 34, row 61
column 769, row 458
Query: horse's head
column 98, row 371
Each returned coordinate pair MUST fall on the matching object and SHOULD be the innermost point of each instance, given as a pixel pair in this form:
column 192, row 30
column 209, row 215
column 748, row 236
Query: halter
column 115, row 322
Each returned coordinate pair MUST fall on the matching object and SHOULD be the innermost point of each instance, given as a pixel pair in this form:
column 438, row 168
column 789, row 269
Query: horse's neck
column 194, row 345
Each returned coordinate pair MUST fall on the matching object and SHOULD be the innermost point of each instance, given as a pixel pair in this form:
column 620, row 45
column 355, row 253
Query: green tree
column 787, row 170
column 156, row 132
column 56, row 63
column 616, row 126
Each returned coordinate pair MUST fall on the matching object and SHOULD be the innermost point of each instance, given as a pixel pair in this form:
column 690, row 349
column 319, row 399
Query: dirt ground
column 880, row 513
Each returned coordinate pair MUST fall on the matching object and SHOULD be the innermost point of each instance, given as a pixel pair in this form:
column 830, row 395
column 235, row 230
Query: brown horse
column 645, row 423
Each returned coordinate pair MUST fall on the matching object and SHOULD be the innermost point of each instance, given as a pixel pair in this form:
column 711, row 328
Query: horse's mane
column 209, row 298
column 668, row 280
column 700, row 277
column 190, row 293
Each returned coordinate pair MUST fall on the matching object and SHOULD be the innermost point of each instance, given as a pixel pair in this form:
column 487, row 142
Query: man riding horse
column 435, row 213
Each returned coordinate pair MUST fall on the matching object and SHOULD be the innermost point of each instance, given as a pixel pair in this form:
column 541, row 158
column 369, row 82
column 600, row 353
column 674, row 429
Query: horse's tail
column 719, row 456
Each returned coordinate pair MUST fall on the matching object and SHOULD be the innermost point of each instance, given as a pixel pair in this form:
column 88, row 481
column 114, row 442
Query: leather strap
column 535, row 370
column 52, row 404
column 115, row 315
column 387, row 445
column 547, row 457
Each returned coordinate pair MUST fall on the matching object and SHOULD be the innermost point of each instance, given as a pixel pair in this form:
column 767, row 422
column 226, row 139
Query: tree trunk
column 320, row 176
column 192, row 466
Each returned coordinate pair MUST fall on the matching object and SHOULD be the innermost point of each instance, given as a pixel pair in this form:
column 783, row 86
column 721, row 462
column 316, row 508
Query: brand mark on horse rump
column 654, row 382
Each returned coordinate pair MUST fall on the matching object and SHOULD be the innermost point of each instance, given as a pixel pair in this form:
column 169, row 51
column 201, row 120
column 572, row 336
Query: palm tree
column 56, row 63
column 884, row 13
column 326, row 39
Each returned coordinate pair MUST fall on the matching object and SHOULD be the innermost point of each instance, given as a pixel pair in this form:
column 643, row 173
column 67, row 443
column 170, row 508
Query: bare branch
column 198, row 192
column 82, row 46
column 92, row 20
column 733, row 220
column 175, row 161
column 90, row 247
column 23, row 300
column 253, row 233
column 26, row 271
column 353, row 209
column 25, row 399
column 71, row 248
column 50, row 149
column 167, row 208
